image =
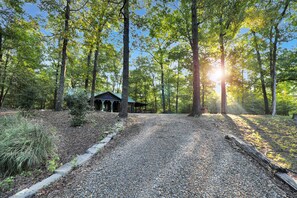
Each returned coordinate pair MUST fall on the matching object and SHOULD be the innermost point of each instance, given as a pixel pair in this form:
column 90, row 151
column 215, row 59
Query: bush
column 23, row 144
column 78, row 107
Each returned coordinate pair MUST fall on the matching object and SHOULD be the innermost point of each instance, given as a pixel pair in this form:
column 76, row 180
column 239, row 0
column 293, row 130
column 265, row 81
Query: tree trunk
column 169, row 95
column 266, row 105
column 155, row 102
column 163, row 87
column 270, row 56
column 115, row 78
column 1, row 60
column 1, row 44
column 92, row 100
column 274, row 54
column 56, row 83
column 203, row 95
column 88, row 70
column 60, row 93
column 196, row 107
column 57, row 75
column 3, row 79
column 125, row 87
column 223, row 78
column 177, row 89
column 242, row 88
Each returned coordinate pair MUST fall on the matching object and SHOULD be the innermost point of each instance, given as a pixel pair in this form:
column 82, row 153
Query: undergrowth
column 24, row 144
column 78, row 104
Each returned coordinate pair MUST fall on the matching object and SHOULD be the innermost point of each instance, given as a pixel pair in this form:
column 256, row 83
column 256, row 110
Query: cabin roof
column 118, row 95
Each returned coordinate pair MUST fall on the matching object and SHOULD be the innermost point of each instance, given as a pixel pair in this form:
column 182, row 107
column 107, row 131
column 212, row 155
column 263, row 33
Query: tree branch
column 75, row 10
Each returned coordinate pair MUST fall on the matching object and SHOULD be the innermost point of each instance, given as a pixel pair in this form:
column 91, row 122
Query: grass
column 276, row 137
column 24, row 145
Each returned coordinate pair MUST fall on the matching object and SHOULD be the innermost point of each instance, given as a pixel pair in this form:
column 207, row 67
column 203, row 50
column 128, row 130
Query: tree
column 60, row 91
column 228, row 16
column 259, row 59
column 274, row 29
column 196, row 108
column 96, row 23
column 125, row 87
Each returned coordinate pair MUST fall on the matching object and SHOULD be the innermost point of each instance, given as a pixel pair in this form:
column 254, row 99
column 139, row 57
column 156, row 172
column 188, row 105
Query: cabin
column 111, row 102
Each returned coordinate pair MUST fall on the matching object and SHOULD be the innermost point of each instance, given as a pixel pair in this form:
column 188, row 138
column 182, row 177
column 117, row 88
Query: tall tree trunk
column 136, row 91
column 163, row 87
column 169, row 95
column 270, row 56
column 115, row 78
column 60, row 94
column 3, row 79
column 92, row 100
column 223, row 78
column 125, row 87
column 88, row 70
column 203, row 95
column 56, row 82
column 274, row 54
column 1, row 53
column 242, row 88
column 1, row 46
column 1, row 60
column 57, row 75
column 265, row 98
column 196, row 107
column 177, row 89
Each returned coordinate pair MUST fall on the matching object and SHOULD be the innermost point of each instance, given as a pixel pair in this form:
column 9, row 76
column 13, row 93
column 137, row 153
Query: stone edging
column 68, row 167
column 277, row 171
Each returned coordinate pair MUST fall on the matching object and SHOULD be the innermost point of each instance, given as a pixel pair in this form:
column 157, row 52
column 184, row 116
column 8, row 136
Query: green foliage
column 27, row 97
column 23, row 144
column 31, row 61
column 53, row 163
column 7, row 184
column 78, row 104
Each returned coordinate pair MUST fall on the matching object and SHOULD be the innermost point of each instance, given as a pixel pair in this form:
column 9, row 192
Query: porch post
column 102, row 105
column 111, row 105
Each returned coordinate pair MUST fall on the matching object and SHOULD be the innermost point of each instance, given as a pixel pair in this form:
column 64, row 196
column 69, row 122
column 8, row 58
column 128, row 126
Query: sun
column 216, row 75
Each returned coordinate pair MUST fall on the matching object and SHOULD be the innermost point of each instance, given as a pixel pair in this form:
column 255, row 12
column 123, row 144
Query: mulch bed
column 70, row 141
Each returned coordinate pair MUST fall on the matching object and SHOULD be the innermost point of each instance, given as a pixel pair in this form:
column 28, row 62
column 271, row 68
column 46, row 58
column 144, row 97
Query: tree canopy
column 190, row 57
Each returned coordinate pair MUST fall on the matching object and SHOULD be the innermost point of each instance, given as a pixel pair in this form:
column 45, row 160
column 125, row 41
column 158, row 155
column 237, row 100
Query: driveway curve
column 172, row 156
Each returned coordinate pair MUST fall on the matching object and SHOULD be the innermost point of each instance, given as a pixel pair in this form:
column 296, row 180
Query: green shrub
column 78, row 108
column 7, row 184
column 23, row 145
column 53, row 163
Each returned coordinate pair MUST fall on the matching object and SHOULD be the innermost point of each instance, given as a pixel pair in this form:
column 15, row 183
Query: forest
column 246, row 51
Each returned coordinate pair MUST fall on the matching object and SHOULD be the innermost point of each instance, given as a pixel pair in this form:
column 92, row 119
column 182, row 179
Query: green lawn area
column 276, row 137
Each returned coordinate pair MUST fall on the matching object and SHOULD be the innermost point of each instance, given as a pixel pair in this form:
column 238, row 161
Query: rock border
column 276, row 170
column 68, row 167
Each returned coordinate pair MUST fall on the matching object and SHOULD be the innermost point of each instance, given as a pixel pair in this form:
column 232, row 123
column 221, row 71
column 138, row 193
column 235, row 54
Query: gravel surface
column 171, row 156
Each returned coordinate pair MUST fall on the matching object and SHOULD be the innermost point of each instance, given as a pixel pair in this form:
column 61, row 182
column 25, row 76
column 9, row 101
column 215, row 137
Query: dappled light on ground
column 276, row 137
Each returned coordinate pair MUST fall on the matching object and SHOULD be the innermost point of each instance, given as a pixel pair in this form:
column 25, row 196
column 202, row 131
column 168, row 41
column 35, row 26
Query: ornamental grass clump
column 24, row 145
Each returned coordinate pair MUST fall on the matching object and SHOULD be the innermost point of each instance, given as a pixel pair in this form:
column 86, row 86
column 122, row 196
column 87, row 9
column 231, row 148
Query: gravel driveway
column 172, row 156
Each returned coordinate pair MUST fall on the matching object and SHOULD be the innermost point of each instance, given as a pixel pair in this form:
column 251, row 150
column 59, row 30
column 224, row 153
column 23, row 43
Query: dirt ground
column 70, row 141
